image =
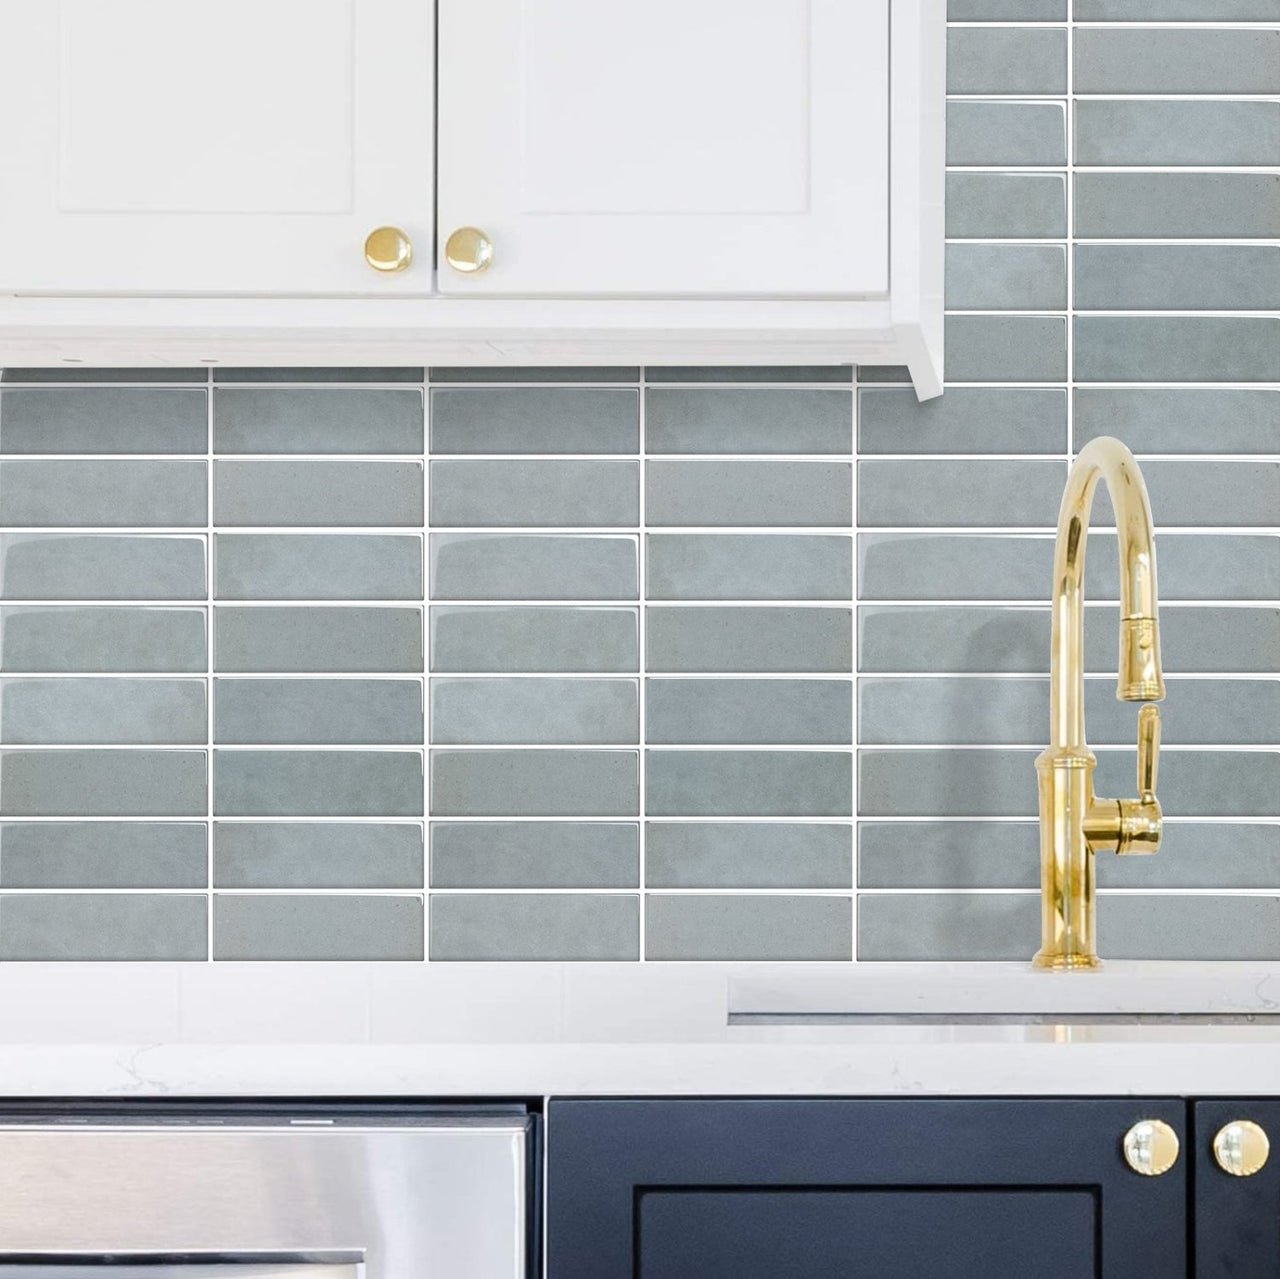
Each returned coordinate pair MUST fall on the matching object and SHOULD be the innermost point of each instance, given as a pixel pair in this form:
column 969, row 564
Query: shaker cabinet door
column 1237, row 1206
column 213, row 146
column 897, row 1189
column 666, row 148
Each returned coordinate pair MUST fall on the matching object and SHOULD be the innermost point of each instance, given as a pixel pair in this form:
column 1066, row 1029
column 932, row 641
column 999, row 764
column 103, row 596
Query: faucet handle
column 1139, row 821
column 1148, row 751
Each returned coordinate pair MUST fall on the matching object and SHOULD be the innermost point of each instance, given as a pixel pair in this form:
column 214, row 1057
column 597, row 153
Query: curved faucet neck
column 1140, row 676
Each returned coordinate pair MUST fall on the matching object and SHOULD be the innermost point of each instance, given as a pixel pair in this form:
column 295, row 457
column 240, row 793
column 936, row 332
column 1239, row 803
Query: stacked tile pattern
column 1113, row 267
column 684, row 663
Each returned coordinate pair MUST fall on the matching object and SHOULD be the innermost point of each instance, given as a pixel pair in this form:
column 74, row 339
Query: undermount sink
column 854, row 1018
column 1121, row 994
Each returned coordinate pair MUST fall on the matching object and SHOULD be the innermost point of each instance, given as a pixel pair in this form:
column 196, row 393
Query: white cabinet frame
column 903, row 328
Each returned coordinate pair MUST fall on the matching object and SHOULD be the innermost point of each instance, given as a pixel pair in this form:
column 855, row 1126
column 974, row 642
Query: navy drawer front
column 888, row 1189
column 1237, row 1219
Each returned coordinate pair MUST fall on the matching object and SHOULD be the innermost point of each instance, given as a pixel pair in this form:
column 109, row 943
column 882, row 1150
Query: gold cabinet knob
column 1241, row 1148
column 388, row 249
column 1151, row 1147
column 468, row 250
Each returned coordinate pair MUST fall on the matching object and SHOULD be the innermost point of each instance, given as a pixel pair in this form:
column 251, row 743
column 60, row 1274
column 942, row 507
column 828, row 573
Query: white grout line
column 642, row 566
column 210, row 589
column 427, row 715
column 855, row 445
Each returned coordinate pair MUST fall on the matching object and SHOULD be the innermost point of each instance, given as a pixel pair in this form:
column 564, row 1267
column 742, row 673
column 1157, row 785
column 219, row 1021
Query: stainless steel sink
column 940, row 1018
column 975, row 995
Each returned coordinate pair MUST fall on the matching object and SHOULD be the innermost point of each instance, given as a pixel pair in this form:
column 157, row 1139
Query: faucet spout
column 1074, row 823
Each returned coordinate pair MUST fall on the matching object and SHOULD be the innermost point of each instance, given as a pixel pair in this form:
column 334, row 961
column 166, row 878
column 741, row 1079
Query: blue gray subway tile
column 1016, row 206
column 744, row 712
column 71, row 639
column 301, row 855
column 535, row 494
column 35, row 566
column 110, row 927
column 756, row 927
column 317, row 493
column 732, row 855
column 1007, row 60
column 535, row 783
column 300, row 420
column 1210, row 206
column 102, row 783
column 755, row 420
column 1006, row 133
column 978, row 566
column 1124, row 348
column 1006, row 854
column 533, row 566
column 964, row 420
column 1181, row 419
column 727, row 566
column 317, row 566
column 317, row 783
column 1176, row 277
column 743, row 638
column 1145, row 60
column 323, row 712
column 119, row 854
column 511, row 639
column 748, row 494
column 982, row 639
column 545, row 854
column 535, row 711
column 38, row 710
column 267, row 639
column 748, row 783
column 535, row 926
column 959, row 493
column 535, row 420
column 115, row 493
column 1006, row 277
column 281, row 926
column 1156, row 133
column 68, row 419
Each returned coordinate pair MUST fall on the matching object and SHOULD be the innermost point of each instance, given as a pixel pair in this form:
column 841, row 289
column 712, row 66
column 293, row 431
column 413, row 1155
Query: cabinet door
column 1237, row 1218
column 213, row 146
column 761, row 1189
column 667, row 147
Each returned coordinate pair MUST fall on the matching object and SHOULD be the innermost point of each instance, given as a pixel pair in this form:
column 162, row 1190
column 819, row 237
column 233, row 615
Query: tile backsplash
column 680, row 663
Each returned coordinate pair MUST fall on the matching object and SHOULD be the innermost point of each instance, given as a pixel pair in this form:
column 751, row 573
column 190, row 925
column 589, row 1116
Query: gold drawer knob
column 468, row 250
column 1151, row 1147
column 1241, row 1148
column 388, row 249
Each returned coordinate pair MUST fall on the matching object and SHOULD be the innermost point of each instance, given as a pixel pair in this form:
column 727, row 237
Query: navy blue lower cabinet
column 1237, row 1190
column 877, row 1189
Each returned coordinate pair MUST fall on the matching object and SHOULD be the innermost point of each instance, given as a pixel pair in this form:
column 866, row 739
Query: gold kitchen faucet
column 1074, row 823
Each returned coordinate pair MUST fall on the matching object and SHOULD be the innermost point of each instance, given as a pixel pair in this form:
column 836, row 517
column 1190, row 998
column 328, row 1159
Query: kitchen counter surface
column 472, row 1030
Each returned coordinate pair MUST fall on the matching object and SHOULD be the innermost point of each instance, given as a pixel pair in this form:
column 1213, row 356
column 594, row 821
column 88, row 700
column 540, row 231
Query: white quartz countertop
column 477, row 1030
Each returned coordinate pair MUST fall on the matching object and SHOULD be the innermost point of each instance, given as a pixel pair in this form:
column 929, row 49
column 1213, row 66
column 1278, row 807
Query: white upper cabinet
column 639, row 181
column 667, row 148
column 212, row 146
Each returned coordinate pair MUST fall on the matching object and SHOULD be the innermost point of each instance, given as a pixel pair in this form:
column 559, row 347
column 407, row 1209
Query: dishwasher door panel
column 444, row 1199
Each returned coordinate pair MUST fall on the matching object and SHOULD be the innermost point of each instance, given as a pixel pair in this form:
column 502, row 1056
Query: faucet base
column 1062, row 963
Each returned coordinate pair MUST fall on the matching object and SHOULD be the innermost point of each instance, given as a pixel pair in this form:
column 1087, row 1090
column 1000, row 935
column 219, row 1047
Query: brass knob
column 388, row 249
column 1241, row 1148
column 1151, row 1147
column 468, row 250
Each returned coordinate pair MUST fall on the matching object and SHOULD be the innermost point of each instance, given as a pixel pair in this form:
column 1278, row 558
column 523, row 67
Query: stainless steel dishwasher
column 314, row 1194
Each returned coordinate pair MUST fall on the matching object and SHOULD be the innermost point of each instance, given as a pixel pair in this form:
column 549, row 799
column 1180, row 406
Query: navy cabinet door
column 1237, row 1219
column 879, row 1189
